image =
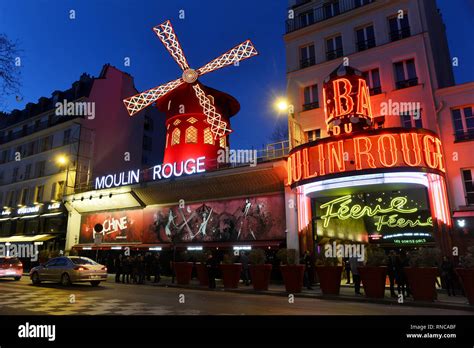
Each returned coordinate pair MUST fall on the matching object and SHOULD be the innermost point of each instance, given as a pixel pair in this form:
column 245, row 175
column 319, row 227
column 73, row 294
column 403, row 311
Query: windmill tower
column 197, row 117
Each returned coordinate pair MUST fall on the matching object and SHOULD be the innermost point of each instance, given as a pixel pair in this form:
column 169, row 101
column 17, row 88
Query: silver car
column 69, row 269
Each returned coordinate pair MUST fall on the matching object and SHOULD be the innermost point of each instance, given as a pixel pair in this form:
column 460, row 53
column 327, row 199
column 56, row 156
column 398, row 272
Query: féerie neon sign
column 339, row 209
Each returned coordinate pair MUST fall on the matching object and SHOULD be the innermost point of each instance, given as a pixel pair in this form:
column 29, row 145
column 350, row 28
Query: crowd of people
column 135, row 269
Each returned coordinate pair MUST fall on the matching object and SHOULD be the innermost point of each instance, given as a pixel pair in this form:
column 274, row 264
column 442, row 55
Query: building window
column 191, row 135
column 463, row 122
column 222, row 142
column 314, row 134
column 307, row 56
column 365, row 38
column 147, row 143
column 15, row 174
column 39, row 192
column 148, row 124
column 1, row 199
column 175, row 136
column 306, row 18
column 311, row 100
column 27, row 171
column 334, row 47
column 411, row 119
column 57, row 190
column 9, row 198
column 46, row 143
column 208, row 136
column 5, row 156
column 331, row 9
column 31, row 148
column 468, row 186
column 359, row 3
column 405, row 74
column 24, row 196
column 399, row 27
column 372, row 77
column 39, row 169
column 67, row 137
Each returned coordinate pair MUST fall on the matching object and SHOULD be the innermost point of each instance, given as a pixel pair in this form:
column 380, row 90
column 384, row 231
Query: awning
column 463, row 214
column 26, row 239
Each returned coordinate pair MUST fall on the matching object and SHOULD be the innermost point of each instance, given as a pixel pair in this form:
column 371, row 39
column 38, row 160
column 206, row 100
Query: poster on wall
column 244, row 219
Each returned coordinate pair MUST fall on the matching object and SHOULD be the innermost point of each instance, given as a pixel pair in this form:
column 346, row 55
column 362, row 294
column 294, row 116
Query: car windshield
column 83, row 261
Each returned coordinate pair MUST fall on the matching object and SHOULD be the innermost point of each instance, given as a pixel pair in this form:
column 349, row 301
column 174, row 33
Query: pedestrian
column 306, row 260
column 134, row 269
column 347, row 268
column 354, row 263
column 244, row 260
column 211, row 265
column 118, row 268
column 392, row 271
column 400, row 274
column 141, row 269
column 126, row 270
column 448, row 275
column 156, row 268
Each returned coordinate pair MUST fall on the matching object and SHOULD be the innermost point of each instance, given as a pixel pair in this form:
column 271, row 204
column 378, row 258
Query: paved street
column 126, row 299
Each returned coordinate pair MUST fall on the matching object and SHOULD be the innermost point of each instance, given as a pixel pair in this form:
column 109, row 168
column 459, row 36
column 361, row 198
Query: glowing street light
column 62, row 160
column 281, row 104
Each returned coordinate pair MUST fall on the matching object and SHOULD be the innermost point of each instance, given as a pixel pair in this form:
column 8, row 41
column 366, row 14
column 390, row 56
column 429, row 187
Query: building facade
column 54, row 147
column 400, row 48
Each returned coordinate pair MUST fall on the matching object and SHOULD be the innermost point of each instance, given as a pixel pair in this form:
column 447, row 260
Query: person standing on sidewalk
column 126, row 270
column 347, row 268
column 448, row 275
column 354, row 263
column 211, row 266
column 392, row 271
column 308, row 269
column 244, row 260
column 118, row 267
column 156, row 268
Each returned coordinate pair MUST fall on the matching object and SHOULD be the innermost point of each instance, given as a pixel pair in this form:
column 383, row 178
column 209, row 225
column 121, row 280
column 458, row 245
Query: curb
column 362, row 299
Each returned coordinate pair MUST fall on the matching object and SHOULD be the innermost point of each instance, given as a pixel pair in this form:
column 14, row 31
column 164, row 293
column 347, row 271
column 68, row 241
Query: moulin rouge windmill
column 197, row 116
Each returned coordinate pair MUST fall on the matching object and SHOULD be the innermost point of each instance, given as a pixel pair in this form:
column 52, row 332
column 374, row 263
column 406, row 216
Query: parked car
column 11, row 267
column 69, row 269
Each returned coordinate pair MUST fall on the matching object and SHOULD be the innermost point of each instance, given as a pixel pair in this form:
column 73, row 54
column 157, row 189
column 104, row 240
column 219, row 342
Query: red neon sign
column 378, row 149
column 346, row 101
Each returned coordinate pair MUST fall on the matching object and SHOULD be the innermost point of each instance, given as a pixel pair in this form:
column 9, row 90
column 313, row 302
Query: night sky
column 57, row 50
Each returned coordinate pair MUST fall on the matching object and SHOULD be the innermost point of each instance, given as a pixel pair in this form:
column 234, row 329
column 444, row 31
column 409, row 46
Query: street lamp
column 63, row 160
column 281, row 104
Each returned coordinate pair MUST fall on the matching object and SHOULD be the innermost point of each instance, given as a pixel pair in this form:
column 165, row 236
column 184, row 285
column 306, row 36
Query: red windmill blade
column 169, row 39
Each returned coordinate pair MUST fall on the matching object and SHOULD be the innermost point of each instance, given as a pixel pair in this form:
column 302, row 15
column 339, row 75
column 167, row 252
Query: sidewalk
column 346, row 294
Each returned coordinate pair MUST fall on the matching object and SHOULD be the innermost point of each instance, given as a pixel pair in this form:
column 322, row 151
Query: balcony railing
column 365, row 45
column 400, row 34
column 330, row 55
column 464, row 135
column 304, row 63
column 310, row 106
column 322, row 13
column 407, row 83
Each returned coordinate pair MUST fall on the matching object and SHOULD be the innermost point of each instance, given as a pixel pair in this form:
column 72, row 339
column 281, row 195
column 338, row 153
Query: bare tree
column 280, row 131
column 9, row 71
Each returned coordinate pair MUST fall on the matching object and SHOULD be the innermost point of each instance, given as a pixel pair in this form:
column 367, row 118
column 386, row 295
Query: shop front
column 367, row 184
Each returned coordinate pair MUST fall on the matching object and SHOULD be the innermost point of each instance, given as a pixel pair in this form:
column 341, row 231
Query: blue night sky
column 57, row 50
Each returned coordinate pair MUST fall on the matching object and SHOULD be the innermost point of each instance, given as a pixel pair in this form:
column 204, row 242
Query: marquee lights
column 375, row 150
column 340, row 208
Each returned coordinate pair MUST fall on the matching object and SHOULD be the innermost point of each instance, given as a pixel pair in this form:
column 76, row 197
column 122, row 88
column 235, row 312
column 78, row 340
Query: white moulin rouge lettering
column 162, row 171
